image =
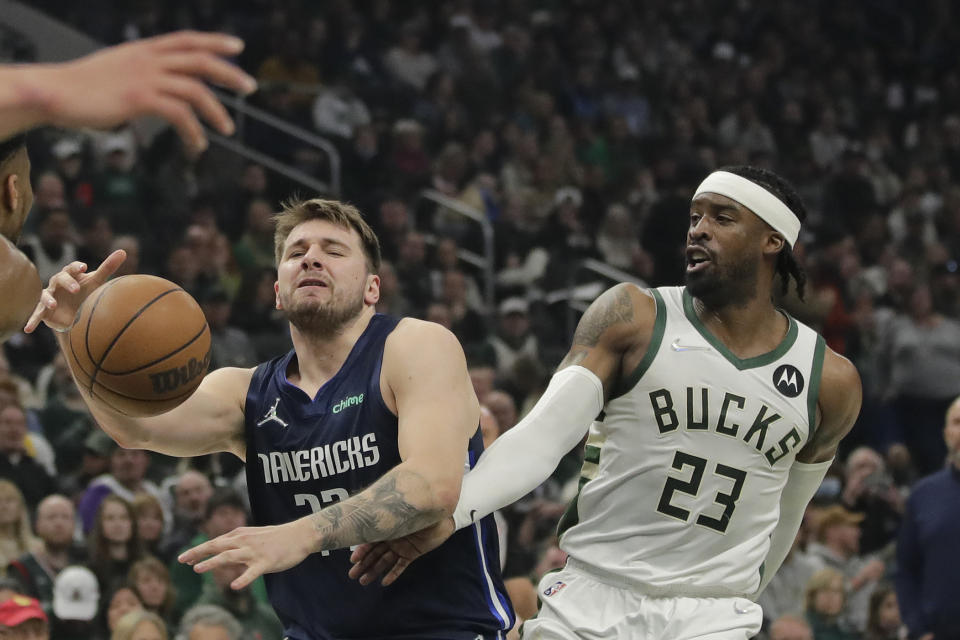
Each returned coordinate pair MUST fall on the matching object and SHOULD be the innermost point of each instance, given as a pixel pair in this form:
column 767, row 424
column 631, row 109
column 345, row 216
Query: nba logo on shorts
column 556, row 587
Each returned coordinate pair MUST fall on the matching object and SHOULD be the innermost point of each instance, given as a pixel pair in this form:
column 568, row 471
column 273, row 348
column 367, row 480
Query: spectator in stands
column 257, row 618
column 825, row 602
column 207, row 621
column 120, row 602
column 392, row 301
column 140, row 624
column 838, row 547
column 150, row 523
column 412, row 270
column 191, row 495
column 465, row 322
column 151, row 582
column 127, row 477
column 229, row 346
column 514, row 338
column 407, row 62
column 37, row 569
column 76, row 599
column 255, row 251
column 870, row 490
column 21, row 618
column 922, row 359
column 16, row 463
column 51, row 248
column 928, row 565
column 790, row 627
column 113, row 542
column 16, row 535
column 883, row 621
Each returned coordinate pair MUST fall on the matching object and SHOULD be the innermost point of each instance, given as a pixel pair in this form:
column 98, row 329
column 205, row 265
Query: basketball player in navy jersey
column 361, row 433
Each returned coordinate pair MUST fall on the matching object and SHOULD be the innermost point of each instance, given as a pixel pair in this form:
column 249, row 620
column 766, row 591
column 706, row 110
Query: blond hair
column 21, row 537
column 129, row 622
column 822, row 579
column 296, row 212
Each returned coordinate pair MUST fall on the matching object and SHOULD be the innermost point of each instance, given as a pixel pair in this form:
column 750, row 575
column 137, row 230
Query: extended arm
column 159, row 76
column 210, row 420
column 838, row 408
column 617, row 324
column 426, row 380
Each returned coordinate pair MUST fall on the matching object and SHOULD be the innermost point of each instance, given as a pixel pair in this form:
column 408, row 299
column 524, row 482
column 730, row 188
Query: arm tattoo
column 382, row 512
column 613, row 307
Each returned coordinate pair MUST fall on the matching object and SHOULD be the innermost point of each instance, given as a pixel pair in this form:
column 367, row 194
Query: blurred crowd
column 578, row 129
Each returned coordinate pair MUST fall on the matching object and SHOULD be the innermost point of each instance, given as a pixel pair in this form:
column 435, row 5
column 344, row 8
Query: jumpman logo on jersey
column 272, row 416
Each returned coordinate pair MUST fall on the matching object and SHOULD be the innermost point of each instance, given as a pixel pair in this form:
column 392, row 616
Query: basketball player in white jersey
column 711, row 418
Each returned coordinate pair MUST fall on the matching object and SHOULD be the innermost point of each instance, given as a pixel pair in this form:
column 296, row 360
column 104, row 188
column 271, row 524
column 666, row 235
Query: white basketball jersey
column 681, row 483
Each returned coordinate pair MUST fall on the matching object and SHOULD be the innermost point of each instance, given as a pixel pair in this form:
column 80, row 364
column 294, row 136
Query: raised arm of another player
column 161, row 76
column 21, row 288
column 837, row 409
column 210, row 420
column 437, row 411
column 612, row 335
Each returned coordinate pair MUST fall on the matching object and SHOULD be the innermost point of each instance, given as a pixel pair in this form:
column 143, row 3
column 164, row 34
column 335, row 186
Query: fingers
column 37, row 316
column 398, row 568
column 191, row 556
column 219, row 43
column 386, row 562
column 209, row 67
column 201, row 98
column 231, row 556
column 182, row 118
column 108, row 267
column 365, row 559
column 252, row 573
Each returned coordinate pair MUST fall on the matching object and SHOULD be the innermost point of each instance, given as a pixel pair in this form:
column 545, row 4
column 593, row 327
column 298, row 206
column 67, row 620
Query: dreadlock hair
column 787, row 265
column 10, row 146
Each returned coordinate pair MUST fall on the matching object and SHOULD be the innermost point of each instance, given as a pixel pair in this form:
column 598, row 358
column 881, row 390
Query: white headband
column 764, row 204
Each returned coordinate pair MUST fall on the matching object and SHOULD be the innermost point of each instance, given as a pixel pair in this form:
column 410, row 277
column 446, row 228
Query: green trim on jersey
column 740, row 363
column 571, row 515
column 659, row 326
column 813, row 393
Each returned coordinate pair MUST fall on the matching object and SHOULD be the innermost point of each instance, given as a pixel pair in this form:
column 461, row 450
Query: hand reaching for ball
column 68, row 289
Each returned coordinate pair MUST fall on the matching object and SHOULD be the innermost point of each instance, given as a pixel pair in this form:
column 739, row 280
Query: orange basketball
column 140, row 344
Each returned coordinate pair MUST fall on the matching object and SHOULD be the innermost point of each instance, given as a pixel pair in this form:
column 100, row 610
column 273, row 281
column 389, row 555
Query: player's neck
column 320, row 358
column 750, row 329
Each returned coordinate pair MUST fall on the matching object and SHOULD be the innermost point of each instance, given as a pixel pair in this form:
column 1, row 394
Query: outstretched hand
column 390, row 558
column 160, row 76
column 260, row 549
column 68, row 289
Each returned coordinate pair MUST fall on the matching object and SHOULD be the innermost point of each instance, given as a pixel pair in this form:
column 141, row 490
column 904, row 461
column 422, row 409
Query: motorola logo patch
column 788, row 380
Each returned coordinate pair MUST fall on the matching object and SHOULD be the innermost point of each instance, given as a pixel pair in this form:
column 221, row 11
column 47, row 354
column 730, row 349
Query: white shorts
column 576, row 606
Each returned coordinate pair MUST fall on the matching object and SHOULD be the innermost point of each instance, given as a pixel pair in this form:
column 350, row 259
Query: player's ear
column 276, row 293
column 11, row 192
column 773, row 244
column 371, row 294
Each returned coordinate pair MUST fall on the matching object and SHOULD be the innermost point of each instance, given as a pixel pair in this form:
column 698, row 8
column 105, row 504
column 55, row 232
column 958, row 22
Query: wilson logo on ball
column 173, row 379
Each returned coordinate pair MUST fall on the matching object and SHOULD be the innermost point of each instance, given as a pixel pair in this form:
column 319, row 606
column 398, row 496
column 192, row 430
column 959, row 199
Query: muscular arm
column 437, row 413
column 19, row 288
column 615, row 329
column 837, row 409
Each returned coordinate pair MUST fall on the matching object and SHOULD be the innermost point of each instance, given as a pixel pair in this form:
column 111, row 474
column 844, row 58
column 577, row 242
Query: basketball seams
column 126, row 326
column 93, row 309
column 199, row 335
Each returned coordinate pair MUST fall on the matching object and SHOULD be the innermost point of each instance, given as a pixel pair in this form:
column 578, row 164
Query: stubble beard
column 731, row 286
column 317, row 319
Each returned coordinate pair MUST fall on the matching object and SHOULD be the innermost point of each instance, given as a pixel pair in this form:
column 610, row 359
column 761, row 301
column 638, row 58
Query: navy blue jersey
column 304, row 454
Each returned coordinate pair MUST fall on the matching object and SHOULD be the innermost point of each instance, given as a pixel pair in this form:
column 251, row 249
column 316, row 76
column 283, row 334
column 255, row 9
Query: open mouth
column 697, row 259
column 312, row 282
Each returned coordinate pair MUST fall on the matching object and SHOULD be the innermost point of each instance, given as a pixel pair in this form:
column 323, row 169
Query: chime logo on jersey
column 788, row 380
column 556, row 587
